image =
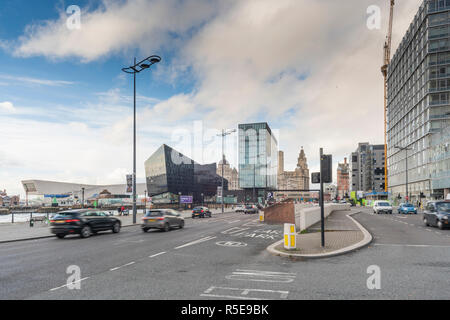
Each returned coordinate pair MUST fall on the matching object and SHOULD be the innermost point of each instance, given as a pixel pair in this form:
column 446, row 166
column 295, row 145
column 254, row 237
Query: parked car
column 382, row 207
column 163, row 219
column 250, row 209
column 406, row 208
column 201, row 212
column 239, row 208
column 437, row 214
column 84, row 222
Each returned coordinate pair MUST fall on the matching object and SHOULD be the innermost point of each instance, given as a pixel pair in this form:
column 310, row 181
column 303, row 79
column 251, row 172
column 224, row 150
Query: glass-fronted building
column 170, row 174
column 419, row 103
column 258, row 160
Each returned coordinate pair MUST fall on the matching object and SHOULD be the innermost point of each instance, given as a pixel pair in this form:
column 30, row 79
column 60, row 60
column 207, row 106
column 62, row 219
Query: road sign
column 129, row 183
column 219, row 192
column 315, row 177
column 327, row 168
column 186, row 199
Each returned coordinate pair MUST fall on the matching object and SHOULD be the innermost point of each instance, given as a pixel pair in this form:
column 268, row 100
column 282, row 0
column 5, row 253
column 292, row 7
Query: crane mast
column 384, row 68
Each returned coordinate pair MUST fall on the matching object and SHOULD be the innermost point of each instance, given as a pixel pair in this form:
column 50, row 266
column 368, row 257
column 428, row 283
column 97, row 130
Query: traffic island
column 343, row 234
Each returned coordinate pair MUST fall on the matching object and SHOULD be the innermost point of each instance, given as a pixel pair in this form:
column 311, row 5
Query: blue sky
column 66, row 107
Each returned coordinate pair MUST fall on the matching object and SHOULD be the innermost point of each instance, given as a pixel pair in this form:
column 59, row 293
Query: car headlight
column 445, row 217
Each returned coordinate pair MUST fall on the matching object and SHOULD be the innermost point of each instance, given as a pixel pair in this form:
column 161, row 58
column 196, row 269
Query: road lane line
column 411, row 245
column 234, row 221
column 68, row 284
column 158, row 254
column 195, row 242
column 125, row 265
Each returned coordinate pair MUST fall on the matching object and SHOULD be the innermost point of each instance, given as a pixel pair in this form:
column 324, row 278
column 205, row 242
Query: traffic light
column 315, row 177
column 326, row 168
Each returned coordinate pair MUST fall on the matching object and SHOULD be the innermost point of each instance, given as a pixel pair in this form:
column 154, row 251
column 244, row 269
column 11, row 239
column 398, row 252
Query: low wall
column 303, row 216
column 280, row 213
column 306, row 217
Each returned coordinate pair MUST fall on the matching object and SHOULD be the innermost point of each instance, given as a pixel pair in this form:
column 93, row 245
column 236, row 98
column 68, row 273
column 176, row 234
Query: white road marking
column 411, row 245
column 195, row 242
column 234, row 230
column 125, row 265
column 234, row 221
column 261, row 276
column 243, row 293
column 158, row 254
column 68, row 284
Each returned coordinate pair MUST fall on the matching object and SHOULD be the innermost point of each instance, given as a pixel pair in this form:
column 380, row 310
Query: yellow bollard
column 289, row 236
column 261, row 216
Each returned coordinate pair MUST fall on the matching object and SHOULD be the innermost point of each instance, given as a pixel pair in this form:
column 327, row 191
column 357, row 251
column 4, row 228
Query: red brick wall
column 280, row 213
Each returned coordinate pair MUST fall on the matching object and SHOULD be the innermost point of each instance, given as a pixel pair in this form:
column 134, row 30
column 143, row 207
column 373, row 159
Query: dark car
column 83, row 222
column 437, row 214
column 163, row 219
column 201, row 212
column 406, row 208
column 251, row 209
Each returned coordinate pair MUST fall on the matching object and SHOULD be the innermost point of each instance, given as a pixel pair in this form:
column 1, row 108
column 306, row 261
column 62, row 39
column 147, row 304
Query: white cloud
column 7, row 107
column 35, row 81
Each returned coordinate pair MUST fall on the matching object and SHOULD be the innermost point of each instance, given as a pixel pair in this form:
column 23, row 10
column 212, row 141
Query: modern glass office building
column 170, row 174
column 258, row 160
column 419, row 104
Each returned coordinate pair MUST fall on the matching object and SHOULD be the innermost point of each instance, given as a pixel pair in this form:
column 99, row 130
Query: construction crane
column 384, row 69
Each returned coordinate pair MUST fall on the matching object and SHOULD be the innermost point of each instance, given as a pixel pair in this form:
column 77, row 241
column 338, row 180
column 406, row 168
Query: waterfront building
column 343, row 179
column 258, row 160
column 293, row 180
column 170, row 174
column 367, row 167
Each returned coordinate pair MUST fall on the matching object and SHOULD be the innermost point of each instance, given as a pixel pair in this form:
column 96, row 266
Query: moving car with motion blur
column 437, row 214
column 201, row 212
column 162, row 219
column 382, row 207
column 251, row 209
column 84, row 222
column 239, row 208
column 406, row 208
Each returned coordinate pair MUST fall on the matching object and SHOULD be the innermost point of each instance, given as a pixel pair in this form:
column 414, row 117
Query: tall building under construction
column 418, row 106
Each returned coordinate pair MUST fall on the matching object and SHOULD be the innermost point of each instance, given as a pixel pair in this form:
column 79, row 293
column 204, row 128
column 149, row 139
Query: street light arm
column 138, row 67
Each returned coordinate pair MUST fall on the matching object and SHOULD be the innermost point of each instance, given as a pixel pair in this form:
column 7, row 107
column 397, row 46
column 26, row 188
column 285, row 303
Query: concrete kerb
column 363, row 243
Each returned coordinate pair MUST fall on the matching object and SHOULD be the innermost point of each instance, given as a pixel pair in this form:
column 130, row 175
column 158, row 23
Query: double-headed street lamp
column 406, row 162
column 136, row 68
column 223, row 135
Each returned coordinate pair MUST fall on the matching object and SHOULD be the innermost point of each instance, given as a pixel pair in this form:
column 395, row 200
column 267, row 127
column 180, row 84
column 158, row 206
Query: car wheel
column 425, row 221
column 116, row 227
column 166, row 227
column 86, row 232
column 182, row 224
column 61, row 236
column 145, row 230
column 440, row 225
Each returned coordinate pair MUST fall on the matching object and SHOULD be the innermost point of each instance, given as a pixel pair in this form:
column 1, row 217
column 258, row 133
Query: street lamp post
column 223, row 135
column 406, row 162
column 136, row 68
column 145, row 201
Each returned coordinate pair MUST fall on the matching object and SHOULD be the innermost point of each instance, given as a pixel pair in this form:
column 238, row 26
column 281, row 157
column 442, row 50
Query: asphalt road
column 224, row 257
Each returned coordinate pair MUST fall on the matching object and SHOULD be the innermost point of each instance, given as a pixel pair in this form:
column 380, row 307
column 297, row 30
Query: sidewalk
column 21, row 231
column 342, row 234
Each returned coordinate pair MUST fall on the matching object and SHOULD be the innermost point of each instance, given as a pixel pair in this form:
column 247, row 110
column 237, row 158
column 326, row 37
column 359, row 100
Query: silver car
column 163, row 219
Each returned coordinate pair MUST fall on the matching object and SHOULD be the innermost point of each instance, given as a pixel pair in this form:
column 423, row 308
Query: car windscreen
column 154, row 213
column 198, row 208
column 443, row 206
column 383, row 204
column 409, row 205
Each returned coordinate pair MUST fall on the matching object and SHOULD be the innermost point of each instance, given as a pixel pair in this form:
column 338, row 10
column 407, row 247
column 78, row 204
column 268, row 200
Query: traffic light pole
column 322, row 213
